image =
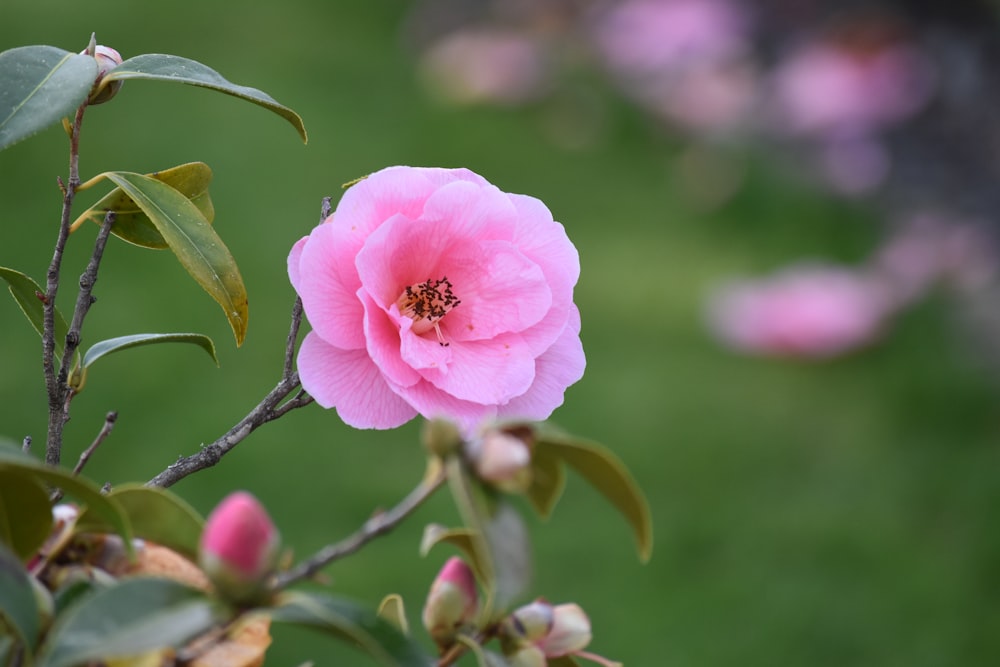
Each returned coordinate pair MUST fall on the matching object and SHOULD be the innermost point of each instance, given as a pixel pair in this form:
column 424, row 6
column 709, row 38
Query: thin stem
column 109, row 423
column 379, row 524
column 55, row 390
column 269, row 409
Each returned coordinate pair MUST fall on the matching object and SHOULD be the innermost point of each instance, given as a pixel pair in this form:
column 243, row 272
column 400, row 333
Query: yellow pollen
column 426, row 304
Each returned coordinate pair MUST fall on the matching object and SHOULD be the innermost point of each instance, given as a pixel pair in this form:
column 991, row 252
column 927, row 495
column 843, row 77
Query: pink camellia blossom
column 804, row 311
column 432, row 292
column 239, row 547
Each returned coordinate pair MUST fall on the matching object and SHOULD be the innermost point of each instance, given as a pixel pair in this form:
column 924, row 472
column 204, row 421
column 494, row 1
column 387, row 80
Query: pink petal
column 382, row 333
column 294, row 257
column 570, row 631
column 349, row 381
column 500, row 289
column 431, row 402
column 421, row 352
column 556, row 369
column 487, row 371
column 466, row 210
column 327, row 283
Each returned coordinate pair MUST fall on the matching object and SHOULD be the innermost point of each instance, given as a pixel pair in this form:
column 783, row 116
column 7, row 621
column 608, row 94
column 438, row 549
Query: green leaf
column 466, row 540
column 393, row 610
column 132, row 617
column 106, row 347
column 606, row 473
column 131, row 222
column 18, row 606
column 27, row 293
column 198, row 248
column 162, row 67
column 156, row 515
column 548, row 479
column 39, row 86
column 13, row 459
column 356, row 624
column 499, row 539
column 25, row 513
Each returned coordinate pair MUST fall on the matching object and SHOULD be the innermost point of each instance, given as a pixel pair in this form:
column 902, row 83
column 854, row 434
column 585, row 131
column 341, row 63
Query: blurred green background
column 837, row 513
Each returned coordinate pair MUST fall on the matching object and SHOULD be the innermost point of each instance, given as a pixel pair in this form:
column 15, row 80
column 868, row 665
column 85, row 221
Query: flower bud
column 441, row 437
column 531, row 622
column 239, row 548
column 452, row 601
column 107, row 59
column 502, row 459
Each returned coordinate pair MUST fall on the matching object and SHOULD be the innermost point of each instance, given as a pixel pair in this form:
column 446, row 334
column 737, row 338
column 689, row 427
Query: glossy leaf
column 132, row 617
column 13, row 459
column 131, row 222
column 499, row 540
column 106, row 347
column 156, row 515
column 39, row 86
column 608, row 475
column 393, row 610
column 27, row 294
column 25, row 513
column 347, row 620
column 198, row 248
column 162, row 67
column 18, row 607
column 548, row 479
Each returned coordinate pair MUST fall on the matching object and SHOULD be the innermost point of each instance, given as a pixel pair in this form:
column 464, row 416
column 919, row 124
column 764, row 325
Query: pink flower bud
column 107, row 59
column 502, row 459
column 541, row 630
column 452, row 601
column 239, row 547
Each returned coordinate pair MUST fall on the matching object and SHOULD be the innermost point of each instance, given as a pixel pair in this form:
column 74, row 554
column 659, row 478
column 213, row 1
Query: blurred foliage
column 806, row 514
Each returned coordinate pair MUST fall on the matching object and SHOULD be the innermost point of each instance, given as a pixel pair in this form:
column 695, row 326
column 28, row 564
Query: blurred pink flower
column 432, row 292
column 644, row 37
column 486, row 66
column 804, row 311
column 824, row 88
column 239, row 547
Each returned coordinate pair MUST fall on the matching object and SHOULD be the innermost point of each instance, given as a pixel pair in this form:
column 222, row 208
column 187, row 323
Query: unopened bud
column 452, row 601
column 531, row 622
column 441, row 437
column 239, row 548
column 529, row 656
column 502, row 459
column 107, row 59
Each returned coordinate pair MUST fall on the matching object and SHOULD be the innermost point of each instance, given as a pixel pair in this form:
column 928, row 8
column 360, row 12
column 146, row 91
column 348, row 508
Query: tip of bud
column 107, row 59
column 239, row 547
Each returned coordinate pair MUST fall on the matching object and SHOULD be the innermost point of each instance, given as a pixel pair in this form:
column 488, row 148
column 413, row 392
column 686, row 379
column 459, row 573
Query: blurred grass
column 827, row 514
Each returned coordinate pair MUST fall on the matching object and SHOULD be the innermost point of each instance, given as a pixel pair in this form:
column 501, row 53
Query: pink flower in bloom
column 808, row 311
column 432, row 292
column 239, row 545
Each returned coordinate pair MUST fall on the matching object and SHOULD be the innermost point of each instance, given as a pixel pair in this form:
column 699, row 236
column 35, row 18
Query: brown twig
column 269, row 409
column 109, row 423
column 55, row 390
column 379, row 524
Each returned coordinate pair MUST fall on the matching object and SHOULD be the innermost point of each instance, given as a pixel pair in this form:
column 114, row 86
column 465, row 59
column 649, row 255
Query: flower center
column 426, row 304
